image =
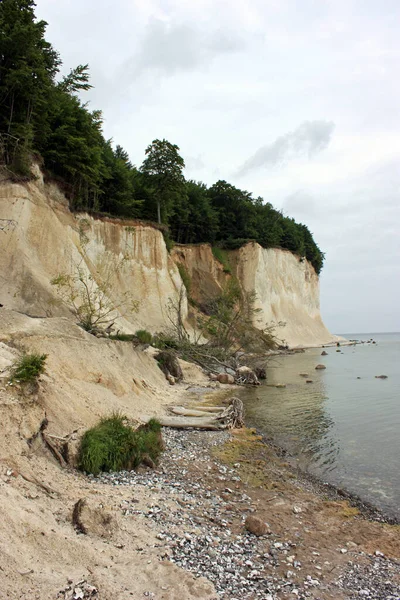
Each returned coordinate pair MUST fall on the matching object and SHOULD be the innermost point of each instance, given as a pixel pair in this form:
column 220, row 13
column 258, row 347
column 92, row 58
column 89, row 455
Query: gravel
column 201, row 530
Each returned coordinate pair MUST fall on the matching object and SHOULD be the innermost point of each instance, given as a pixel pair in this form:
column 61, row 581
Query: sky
column 297, row 101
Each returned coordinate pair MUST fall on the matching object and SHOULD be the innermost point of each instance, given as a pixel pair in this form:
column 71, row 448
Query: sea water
column 344, row 427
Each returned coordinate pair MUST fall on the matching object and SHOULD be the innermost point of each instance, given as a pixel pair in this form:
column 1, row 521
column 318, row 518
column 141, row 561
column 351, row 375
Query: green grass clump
column 187, row 282
column 222, row 257
column 28, row 368
column 144, row 336
column 122, row 337
column 114, row 446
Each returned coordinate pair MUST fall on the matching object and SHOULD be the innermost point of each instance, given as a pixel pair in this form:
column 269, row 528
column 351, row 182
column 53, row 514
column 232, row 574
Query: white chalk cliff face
column 45, row 239
column 287, row 292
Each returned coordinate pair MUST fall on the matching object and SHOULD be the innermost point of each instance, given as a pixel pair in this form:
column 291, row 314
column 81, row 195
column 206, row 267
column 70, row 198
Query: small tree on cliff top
column 163, row 166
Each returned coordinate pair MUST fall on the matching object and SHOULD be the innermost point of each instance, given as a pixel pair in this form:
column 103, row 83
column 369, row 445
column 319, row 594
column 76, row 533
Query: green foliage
column 169, row 243
column 187, row 282
column 47, row 118
column 165, row 341
column 89, row 297
column 122, row 337
column 144, row 336
column 114, row 446
column 28, row 368
column 222, row 257
column 163, row 168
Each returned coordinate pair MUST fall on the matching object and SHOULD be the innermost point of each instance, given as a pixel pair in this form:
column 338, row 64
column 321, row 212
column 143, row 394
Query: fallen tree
column 229, row 417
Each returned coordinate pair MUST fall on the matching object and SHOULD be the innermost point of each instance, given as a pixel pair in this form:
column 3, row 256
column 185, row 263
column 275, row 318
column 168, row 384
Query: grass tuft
column 114, row 446
column 222, row 256
column 144, row 336
column 28, row 368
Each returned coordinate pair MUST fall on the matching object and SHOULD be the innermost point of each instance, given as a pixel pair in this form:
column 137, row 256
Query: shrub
column 28, row 368
column 114, row 446
column 123, row 337
column 185, row 277
column 222, row 257
column 144, row 336
column 165, row 340
column 168, row 241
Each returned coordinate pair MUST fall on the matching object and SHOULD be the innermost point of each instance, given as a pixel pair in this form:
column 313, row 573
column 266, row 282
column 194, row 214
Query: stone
column 280, row 385
column 171, row 379
column 225, row 378
column 320, row 367
column 303, row 374
column 309, row 381
column 381, row 376
column 323, row 353
column 256, row 526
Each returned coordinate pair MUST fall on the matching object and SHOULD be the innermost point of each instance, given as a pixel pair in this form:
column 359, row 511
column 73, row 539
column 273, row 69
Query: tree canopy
column 44, row 117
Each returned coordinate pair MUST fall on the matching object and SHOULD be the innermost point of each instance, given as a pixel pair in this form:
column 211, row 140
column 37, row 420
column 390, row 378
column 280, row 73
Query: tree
column 163, row 167
column 28, row 65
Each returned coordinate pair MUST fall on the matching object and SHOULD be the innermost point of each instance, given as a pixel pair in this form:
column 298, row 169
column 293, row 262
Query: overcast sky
column 297, row 101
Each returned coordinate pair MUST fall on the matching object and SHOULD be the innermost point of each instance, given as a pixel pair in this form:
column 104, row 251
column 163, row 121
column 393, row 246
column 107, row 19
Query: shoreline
column 205, row 487
column 367, row 509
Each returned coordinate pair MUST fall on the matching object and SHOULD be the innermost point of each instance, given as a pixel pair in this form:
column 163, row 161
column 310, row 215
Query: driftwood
column 231, row 416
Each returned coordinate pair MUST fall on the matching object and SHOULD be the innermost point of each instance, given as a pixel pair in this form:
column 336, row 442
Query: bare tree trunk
column 159, row 212
column 11, row 114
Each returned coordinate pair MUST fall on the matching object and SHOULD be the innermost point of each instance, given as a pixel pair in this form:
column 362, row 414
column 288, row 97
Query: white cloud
column 308, row 139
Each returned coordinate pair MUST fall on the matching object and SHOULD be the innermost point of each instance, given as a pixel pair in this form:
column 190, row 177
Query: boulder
column 381, row 376
column 225, row 378
column 320, row 367
column 309, row 381
column 256, row 526
column 323, row 353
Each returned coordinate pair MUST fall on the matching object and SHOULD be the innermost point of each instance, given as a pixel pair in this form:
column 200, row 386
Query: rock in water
column 381, row 376
column 256, row 526
column 320, row 367
column 323, row 353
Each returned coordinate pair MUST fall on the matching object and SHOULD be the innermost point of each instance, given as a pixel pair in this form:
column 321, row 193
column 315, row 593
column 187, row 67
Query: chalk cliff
column 287, row 289
column 45, row 239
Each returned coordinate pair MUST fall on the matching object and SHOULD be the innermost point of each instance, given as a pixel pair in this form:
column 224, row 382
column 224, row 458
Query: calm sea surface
column 343, row 429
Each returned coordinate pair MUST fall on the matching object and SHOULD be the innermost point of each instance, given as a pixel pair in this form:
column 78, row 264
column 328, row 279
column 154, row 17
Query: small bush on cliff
column 28, row 368
column 187, row 282
column 114, row 446
column 144, row 336
column 90, row 297
column 222, row 257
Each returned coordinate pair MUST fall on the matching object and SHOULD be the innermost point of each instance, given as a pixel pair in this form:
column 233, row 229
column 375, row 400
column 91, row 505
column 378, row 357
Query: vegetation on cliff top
column 45, row 117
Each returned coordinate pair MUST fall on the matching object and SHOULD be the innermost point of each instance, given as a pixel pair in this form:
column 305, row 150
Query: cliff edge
column 44, row 239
